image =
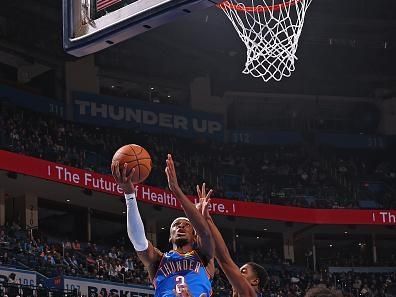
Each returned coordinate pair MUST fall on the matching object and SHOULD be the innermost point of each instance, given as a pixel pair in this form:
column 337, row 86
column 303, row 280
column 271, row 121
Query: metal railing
column 14, row 290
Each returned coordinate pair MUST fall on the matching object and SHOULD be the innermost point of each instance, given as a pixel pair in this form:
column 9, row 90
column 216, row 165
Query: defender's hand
column 204, row 200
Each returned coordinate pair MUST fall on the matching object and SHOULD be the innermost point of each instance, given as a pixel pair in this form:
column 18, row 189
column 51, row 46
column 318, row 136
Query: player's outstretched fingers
column 130, row 176
column 199, row 192
column 117, row 174
column 209, row 194
column 124, row 173
column 205, row 208
column 113, row 169
column 171, row 163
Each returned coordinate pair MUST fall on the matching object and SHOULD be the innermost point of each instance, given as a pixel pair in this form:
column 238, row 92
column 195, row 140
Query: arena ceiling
column 347, row 48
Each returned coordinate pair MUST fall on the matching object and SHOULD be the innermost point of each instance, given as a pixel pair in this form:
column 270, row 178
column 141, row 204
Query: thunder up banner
column 105, row 183
column 151, row 117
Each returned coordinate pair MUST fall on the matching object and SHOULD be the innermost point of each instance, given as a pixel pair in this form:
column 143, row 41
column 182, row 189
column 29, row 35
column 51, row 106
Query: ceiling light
column 67, row 200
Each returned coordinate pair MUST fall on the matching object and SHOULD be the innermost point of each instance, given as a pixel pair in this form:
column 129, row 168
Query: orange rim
column 260, row 8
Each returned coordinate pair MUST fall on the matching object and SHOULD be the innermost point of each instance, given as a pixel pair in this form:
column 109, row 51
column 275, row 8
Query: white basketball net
column 270, row 30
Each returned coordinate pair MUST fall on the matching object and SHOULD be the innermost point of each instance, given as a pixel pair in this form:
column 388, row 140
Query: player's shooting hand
column 171, row 174
column 122, row 178
column 204, row 200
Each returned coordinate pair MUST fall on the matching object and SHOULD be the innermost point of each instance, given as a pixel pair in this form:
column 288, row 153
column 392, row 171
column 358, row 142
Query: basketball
column 136, row 157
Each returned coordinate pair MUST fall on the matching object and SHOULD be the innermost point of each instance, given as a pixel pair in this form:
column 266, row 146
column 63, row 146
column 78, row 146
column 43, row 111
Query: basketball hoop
column 270, row 30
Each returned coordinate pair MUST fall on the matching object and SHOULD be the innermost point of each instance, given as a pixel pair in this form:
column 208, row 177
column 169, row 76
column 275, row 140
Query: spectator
column 13, row 286
column 68, row 245
column 76, row 245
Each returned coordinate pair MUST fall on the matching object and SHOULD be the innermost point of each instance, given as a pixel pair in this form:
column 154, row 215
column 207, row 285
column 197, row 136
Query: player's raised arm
column 240, row 284
column 136, row 233
column 197, row 220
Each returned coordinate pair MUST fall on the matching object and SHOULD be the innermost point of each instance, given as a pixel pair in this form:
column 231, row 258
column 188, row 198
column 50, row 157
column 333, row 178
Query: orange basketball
column 135, row 157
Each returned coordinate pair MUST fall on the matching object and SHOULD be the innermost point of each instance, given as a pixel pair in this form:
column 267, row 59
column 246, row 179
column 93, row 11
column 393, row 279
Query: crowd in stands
column 55, row 257
column 292, row 283
column 278, row 175
column 374, row 174
column 118, row 264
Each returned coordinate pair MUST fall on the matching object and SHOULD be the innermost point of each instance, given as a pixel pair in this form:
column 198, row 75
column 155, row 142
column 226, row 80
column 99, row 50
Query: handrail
column 14, row 289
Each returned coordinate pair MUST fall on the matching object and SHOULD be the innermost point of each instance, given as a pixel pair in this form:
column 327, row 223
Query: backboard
column 92, row 25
